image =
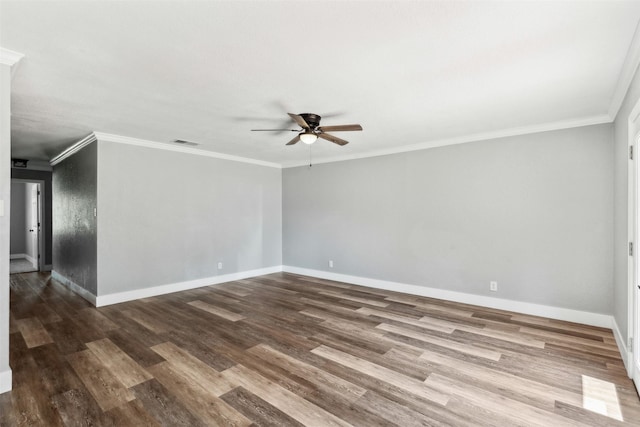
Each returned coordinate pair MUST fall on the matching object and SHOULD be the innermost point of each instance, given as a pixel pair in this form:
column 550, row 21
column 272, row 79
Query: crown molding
column 169, row 147
column 73, row 149
column 631, row 62
column 483, row 136
column 9, row 57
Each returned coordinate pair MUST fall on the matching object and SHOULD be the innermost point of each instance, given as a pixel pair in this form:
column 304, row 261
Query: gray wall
column 74, row 225
column 532, row 212
column 18, row 215
column 621, row 286
column 46, row 226
column 166, row 217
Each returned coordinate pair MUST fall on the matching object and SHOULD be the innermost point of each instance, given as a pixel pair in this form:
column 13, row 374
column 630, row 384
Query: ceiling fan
column 311, row 130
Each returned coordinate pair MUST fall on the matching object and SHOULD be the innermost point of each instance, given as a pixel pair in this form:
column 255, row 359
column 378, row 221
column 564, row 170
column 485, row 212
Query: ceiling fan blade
column 339, row 128
column 332, row 138
column 294, row 140
column 275, row 130
column 299, row 120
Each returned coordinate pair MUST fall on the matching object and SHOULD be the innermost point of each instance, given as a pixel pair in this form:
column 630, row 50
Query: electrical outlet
column 493, row 286
column 219, row 266
column 330, row 263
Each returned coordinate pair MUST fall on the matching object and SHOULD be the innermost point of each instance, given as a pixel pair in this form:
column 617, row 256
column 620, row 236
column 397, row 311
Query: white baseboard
column 551, row 312
column 31, row 260
column 622, row 346
column 22, row 256
column 119, row 297
column 5, row 381
column 28, row 258
column 74, row 287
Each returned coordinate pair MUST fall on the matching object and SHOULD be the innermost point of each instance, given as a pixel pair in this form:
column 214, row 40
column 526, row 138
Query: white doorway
column 26, row 226
column 633, row 343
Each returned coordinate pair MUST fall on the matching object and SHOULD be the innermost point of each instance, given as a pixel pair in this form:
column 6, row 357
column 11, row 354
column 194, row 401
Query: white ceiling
column 423, row 73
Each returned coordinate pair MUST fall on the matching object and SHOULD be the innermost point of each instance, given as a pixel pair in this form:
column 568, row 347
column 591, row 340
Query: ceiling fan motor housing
column 313, row 120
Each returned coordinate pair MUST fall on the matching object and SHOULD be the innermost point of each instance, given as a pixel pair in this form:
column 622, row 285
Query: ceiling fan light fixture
column 308, row 137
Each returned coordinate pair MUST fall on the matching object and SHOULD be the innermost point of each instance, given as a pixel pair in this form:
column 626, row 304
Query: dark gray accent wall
column 18, row 215
column 74, row 223
column 533, row 213
column 46, row 176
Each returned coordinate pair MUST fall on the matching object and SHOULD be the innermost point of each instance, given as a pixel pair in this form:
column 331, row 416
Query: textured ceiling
column 409, row 72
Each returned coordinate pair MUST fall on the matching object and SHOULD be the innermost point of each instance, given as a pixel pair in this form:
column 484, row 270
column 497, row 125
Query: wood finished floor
column 289, row 350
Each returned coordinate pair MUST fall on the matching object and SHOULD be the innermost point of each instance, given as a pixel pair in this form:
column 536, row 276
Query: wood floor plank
column 296, row 407
column 7, row 414
column 54, row 370
column 132, row 412
column 382, row 373
column 30, row 410
column 450, row 344
column 193, row 369
column 123, row 367
column 33, row 332
column 225, row 314
column 64, row 335
column 346, row 389
column 76, row 407
column 99, row 381
column 165, row 409
column 201, row 402
column 13, row 324
column 402, row 415
column 367, row 301
column 96, row 319
column 136, row 350
column 427, row 323
column 421, row 303
column 411, row 369
column 155, row 325
column 588, row 418
column 258, row 410
column 46, row 314
column 513, row 383
column 519, row 413
column 509, row 337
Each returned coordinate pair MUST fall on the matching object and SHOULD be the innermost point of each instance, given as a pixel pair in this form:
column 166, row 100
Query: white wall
column 532, row 212
column 168, row 217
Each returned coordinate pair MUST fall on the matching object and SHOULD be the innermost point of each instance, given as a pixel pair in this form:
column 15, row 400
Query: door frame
column 41, row 213
column 633, row 229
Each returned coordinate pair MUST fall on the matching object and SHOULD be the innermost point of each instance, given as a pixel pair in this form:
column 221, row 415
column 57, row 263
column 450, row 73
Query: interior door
column 34, row 225
column 633, row 224
column 634, row 292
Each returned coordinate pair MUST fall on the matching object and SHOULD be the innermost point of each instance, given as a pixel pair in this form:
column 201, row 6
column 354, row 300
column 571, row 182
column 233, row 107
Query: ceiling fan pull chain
column 310, row 156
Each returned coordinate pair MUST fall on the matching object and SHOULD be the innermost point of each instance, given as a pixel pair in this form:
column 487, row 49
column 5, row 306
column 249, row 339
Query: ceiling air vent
column 183, row 142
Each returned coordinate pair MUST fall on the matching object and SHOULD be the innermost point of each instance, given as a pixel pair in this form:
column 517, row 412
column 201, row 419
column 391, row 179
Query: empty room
column 319, row 213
